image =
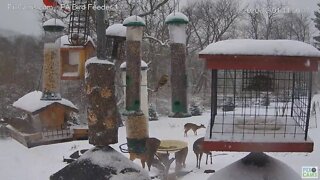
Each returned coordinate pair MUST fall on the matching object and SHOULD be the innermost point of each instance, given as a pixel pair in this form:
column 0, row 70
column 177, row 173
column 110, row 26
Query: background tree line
column 210, row 21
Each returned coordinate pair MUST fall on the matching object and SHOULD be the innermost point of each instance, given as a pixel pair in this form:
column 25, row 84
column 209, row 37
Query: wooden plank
column 282, row 63
column 258, row 146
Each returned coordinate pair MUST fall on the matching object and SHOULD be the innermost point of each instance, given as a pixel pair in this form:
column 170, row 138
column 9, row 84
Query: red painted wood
column 258, row 146
column 282, row 63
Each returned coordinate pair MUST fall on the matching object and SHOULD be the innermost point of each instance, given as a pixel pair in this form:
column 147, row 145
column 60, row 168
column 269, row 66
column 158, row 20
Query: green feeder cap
column 177, row 18
column 53, row 25
column 134, row 21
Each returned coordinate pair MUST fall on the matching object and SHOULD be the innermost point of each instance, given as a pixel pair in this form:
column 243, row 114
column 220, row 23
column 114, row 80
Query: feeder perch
column 269, row 85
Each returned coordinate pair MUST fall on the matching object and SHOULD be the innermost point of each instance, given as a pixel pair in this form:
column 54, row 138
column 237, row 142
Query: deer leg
column 197, row 156
column 200, row 159
column 207, row 158
column 185, row 133
column 211, row 157
column 143, row 163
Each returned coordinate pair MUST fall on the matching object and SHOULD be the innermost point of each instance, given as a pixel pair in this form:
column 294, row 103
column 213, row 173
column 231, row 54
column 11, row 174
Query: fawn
column 192, row 126
column 180, row 157
column 197, row 149
column 152, row 145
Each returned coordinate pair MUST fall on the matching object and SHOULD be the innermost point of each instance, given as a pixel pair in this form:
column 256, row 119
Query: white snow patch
column 176, row 15
column 54, row 22
column 116, row 30
column 95, row 60
column 261, row 47
column 31, row 102
column 19, row 162
column 143, row 65
column 133, row 19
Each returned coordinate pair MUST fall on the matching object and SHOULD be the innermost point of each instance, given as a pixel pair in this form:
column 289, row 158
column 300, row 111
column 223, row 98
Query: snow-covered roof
column 177, row 18
column 261, row 47
column 144, row 65
column 95, row 60
column 53, row 25
column 64, row 42
column 117, row 30
column 31, row 102
column 134, row 21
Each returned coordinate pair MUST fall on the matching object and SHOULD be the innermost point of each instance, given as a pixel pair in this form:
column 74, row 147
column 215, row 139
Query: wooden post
column 100, row 90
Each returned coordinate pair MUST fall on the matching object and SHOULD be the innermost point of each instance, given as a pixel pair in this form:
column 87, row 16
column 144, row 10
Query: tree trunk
column 102, row 105
column 179, row 80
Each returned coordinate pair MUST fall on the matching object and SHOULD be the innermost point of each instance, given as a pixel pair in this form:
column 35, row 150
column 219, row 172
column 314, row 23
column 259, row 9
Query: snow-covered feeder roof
column 176, row 18
column 95, row 60
column 261, row 55
column 134, row 21
column 64, row 42
column 144, row 65
column 31, row 103
column 116, row 30
column 53, row 25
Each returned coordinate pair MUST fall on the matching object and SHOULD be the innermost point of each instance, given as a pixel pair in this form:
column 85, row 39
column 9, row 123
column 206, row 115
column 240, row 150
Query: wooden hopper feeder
column 73, row 58
column 268, row 83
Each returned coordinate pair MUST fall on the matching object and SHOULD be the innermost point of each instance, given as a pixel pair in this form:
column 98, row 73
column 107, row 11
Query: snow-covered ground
column 38, row 163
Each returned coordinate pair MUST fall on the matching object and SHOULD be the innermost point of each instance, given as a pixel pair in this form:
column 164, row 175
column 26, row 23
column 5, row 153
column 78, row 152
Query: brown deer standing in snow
column 180, row 157
column 192, row 126
column 198, row 150
column 152, row 145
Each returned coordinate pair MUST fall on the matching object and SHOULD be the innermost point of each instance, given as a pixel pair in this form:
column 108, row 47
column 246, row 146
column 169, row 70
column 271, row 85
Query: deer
column 192, row 126
column 152, row 145
column 180, row 157
column 198, row 150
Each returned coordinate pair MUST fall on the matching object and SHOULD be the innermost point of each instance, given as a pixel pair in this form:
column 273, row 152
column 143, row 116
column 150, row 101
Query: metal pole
column 214, row 93
column 309, row 105
column 101, row 28
column 293, row 92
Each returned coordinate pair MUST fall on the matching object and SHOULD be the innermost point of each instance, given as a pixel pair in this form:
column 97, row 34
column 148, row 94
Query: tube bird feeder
column 177, row 23
column 136, row 124
column 51, row 65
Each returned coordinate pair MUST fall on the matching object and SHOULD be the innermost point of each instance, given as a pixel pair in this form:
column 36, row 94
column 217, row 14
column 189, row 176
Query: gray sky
column 27, row 21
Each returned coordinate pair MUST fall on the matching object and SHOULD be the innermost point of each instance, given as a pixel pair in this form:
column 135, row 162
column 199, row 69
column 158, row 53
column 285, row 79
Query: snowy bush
column 195, row 110
column 153, row 115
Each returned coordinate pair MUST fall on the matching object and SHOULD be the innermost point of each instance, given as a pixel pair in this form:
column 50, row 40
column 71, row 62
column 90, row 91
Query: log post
column 102, row 108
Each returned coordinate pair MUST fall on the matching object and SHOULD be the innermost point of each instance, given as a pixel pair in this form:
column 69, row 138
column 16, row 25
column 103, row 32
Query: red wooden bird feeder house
column 261, row 95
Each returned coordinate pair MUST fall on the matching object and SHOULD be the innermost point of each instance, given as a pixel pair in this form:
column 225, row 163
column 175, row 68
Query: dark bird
column 162, row 81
